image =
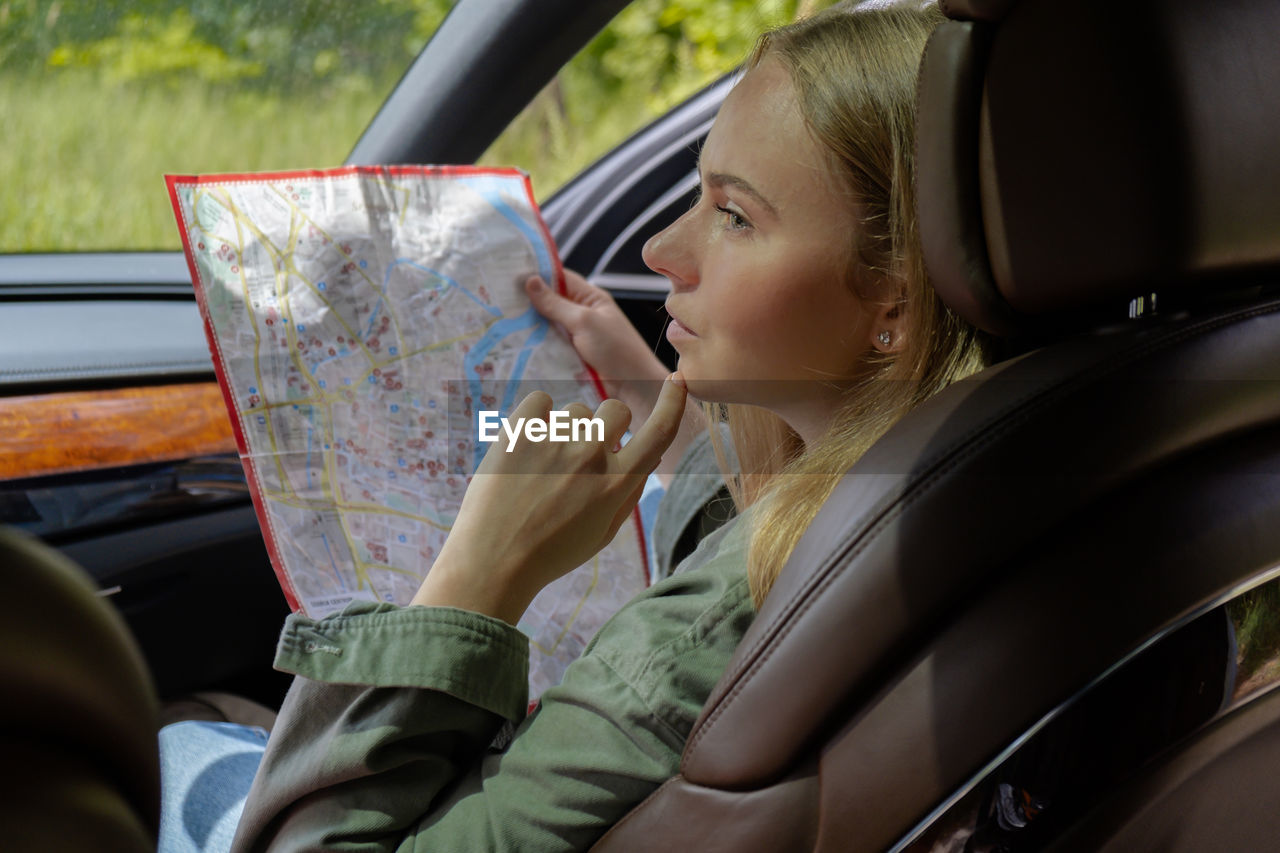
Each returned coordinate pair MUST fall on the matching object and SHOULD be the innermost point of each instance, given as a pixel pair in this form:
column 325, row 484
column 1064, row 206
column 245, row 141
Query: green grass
column 82, row 163
column 85, row 145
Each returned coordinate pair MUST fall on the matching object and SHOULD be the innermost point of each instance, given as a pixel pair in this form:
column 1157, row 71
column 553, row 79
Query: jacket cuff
column 481, row 660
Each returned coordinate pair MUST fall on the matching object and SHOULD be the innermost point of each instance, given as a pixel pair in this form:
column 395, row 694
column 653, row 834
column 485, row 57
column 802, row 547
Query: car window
column 99, row 100
column 654, row 55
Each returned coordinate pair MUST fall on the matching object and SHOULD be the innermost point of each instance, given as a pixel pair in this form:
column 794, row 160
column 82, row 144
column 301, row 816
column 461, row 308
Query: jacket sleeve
column 345, row 729
column 405, row 761
column 406, row 727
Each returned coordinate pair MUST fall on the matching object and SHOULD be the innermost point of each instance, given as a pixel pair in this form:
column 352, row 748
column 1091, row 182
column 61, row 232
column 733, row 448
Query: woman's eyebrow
column 719, row 179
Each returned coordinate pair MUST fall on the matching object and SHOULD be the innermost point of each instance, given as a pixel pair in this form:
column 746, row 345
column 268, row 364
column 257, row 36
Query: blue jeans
column 206, row 768
column 205, row 773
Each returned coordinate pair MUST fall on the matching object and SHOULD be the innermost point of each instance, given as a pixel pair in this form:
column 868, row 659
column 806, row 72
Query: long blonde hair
column 854, row 72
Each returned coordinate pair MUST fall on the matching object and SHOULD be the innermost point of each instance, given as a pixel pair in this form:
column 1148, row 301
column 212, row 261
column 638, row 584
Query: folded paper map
column 360, row 319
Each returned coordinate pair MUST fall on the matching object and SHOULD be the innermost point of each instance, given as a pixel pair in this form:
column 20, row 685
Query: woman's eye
column 735, row 220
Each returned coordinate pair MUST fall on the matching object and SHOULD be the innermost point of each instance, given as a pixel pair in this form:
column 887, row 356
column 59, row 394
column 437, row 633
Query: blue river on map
column 495, row 189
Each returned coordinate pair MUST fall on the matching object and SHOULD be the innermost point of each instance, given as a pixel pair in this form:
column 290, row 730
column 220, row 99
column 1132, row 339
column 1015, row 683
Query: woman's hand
column 537, row 512
column 605, row 339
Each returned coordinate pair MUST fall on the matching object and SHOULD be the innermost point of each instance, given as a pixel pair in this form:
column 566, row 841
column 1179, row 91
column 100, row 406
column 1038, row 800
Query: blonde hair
column 854, row 72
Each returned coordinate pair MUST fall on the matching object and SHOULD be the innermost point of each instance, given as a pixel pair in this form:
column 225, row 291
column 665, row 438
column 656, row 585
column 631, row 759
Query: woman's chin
column 708, row 390
column 713, row 386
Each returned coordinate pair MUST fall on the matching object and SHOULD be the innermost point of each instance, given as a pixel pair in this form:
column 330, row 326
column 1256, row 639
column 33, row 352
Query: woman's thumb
column 549, row 303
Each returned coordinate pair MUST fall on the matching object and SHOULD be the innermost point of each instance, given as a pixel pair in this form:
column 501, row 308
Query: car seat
column 1020, row 588
column 79, row 768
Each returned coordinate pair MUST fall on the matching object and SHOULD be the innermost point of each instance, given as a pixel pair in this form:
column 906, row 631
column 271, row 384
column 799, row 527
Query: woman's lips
column 677, row 330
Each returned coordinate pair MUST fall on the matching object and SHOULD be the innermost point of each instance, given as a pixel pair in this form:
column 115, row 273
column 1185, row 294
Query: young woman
column 801, row 310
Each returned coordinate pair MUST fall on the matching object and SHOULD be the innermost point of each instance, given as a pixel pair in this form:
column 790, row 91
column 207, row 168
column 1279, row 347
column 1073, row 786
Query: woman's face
column 762, row 311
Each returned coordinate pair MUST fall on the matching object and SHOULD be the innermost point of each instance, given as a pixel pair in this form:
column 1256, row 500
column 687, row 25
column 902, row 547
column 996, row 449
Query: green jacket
column 406, row 729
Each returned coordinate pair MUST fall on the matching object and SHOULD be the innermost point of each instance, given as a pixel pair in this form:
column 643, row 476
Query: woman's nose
column 670, row 253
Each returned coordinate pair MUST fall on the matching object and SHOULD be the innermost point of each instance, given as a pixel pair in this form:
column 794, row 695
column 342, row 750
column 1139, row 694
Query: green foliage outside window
column 651, row 57
column 1256, row 618
column 279, row 45
column 98, row 100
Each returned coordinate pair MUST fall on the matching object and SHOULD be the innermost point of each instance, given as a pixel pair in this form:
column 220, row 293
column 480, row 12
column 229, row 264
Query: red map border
column 172, row 182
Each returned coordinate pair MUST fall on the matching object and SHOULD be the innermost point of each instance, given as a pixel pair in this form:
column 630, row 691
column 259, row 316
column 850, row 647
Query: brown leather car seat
column 79, row 767
column 1001, row 561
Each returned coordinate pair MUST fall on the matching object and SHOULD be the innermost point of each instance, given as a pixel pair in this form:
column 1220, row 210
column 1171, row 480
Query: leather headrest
column 1074, row 156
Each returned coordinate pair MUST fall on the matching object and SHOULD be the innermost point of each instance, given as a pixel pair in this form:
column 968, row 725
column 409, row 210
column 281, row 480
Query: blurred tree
column 105, row 93
column 277, row 44
column 298, row 44
column 653, row 55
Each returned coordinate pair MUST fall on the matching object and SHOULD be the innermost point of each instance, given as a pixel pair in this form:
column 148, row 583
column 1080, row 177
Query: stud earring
column 885, row 338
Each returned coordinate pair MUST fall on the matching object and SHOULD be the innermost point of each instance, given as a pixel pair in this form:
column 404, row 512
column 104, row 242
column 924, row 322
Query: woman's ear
column 889, row 326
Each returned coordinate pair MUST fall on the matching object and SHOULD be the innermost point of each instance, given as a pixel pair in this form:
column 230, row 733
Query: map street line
column 361, row 319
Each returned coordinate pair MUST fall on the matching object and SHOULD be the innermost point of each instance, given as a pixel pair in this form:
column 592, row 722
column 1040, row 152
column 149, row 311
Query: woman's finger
column 617, row 417
column 578, row 410
column 535, row 405
column 643, row 453
column 550, row 304
column 577, row 288
column 624, row 511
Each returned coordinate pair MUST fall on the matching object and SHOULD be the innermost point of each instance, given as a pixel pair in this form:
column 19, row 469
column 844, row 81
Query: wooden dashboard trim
column 64, row 432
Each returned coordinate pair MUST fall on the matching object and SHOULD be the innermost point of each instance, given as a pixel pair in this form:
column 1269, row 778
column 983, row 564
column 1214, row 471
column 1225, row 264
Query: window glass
column 651, row 57
column 1255, row 617
column 1203, row 670
column 98, row 100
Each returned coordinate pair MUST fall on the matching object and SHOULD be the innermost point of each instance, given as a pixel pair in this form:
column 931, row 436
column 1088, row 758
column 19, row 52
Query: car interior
column 1013, row 626
column 1020, row 585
